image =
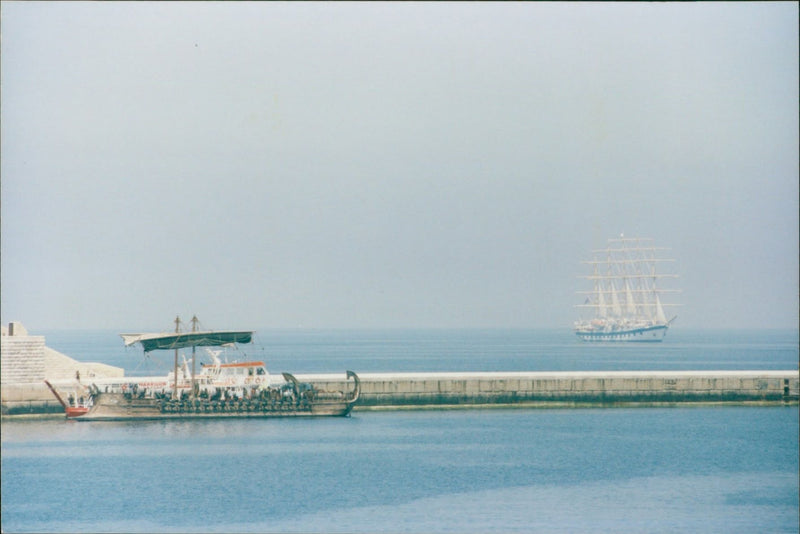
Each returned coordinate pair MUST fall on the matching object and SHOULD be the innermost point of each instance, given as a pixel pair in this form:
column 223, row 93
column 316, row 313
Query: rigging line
column 201, row 325
column 624, row 275
column 149, row 359
column 625, row 261
column 627, row 249
column 646, row 291
column 642, row 304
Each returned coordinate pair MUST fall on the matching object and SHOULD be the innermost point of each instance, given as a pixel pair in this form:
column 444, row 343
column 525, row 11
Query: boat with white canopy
column 219, row 389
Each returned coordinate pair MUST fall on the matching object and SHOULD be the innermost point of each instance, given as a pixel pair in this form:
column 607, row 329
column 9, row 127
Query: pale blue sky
column 392, row 165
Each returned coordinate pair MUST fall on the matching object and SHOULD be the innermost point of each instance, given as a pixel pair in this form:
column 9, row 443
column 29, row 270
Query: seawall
column 408, row 390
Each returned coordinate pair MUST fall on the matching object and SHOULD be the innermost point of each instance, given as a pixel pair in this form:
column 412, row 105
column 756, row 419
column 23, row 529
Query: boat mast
column 175, row 372
column 602, row 310
column 194, row 329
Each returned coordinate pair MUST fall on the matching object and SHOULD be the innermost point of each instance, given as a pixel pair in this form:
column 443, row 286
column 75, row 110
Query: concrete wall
column 26, row 359
column 58, row 366
column 458, row 389
column 33, row 398
column 26, row 362
column 21, row 359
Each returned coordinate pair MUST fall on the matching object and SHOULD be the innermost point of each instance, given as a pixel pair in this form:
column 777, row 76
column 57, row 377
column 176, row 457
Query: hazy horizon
column 566, row 328
column 392, row 165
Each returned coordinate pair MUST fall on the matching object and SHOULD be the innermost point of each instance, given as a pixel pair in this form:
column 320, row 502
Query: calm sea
column 333, row 351
column 708, row 469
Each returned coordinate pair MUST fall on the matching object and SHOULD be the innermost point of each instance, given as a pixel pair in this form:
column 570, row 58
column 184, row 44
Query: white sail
column 630, row 305
column 615, row 302
column 660, row 315
column 602, row 310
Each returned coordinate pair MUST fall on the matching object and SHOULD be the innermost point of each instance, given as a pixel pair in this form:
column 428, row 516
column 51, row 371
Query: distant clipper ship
column 625, row 301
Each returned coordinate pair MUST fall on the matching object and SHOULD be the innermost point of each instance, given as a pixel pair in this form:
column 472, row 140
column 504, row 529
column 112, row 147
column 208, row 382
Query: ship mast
column 177, row 340
column 175, row 371
column 194, row 348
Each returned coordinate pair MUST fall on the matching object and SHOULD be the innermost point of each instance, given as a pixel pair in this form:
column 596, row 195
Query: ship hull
column 299, row 400
column 650, row 334
column 118, row 407
column 72, row 411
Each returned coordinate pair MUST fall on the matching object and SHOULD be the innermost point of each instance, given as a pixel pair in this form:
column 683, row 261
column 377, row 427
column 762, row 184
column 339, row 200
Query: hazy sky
column 392, row 164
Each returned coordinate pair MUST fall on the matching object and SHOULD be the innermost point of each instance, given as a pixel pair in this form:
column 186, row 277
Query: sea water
column 685, row 469
column 333, row 351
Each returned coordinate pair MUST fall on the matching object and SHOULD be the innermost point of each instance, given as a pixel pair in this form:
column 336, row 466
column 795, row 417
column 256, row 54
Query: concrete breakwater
column 406, row 390
column 533, row 389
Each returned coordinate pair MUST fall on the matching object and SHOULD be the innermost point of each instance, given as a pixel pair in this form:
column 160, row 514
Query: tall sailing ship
column 625, row 302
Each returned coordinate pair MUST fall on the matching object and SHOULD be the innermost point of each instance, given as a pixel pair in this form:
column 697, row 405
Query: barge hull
column 116, row 407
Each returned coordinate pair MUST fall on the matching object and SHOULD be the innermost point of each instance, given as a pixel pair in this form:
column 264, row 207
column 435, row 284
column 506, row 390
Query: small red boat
column 73, row 407
column 76, row 411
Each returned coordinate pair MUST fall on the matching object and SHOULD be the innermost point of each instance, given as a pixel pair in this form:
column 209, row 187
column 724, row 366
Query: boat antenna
column 195, row 320
column 175, row 369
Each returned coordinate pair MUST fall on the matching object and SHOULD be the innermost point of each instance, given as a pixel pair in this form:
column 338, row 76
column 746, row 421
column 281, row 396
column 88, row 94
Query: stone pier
column 595, row 388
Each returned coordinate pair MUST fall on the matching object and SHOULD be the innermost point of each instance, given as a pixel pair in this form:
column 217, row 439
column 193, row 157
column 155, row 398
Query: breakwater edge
column 579, row 388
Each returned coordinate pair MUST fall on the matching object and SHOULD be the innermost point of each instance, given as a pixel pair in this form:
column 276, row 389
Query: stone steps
column 61, row 367
column 22, row 359
column 25, row 359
